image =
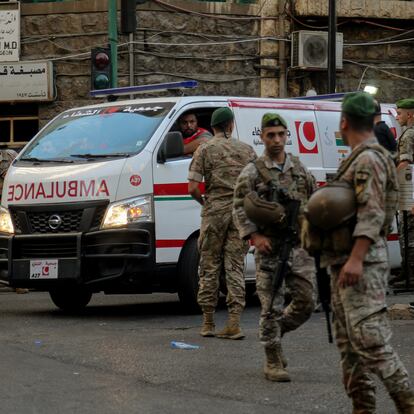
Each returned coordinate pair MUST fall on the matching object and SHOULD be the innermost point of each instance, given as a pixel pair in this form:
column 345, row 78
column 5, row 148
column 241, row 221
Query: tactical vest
column 296, row 190
column 340, row 239
column 391, row 188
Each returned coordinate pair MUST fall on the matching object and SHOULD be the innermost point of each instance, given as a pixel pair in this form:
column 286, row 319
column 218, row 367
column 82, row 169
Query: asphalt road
column 117, row 358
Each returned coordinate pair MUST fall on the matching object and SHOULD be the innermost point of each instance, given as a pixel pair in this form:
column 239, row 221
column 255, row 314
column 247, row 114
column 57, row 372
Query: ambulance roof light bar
column 135, row 90
column 326, row 97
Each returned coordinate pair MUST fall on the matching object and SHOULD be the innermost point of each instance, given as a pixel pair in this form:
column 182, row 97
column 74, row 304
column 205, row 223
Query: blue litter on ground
column 183, row 345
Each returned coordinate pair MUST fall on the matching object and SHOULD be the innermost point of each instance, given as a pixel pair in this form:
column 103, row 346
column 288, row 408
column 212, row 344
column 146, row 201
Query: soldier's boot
column 232, row 329
column 282, row 355
column 363, row 403
column 274, row 369
column 404, row 401
column 208, row 327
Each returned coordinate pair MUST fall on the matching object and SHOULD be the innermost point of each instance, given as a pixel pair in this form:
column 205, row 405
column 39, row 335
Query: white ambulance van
column 98, row 201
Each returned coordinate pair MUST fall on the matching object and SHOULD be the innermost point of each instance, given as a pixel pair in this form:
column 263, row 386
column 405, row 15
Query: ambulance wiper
column 113, row 155
column 34, row 159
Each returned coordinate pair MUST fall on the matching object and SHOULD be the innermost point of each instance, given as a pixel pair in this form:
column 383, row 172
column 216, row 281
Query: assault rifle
column 288, row 241
column 324, row 290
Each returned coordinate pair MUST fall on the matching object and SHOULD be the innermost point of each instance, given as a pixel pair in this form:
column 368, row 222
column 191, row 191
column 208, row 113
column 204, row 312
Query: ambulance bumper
column 97, row 258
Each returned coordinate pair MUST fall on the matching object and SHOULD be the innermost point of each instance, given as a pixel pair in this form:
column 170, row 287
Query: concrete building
column 230, row 47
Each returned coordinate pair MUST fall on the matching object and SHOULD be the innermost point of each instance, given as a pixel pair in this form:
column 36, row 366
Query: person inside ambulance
column 193, row 135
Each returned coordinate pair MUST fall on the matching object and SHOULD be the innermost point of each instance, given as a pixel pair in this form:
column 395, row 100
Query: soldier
column 6, row 158
column 220, row 161
column 356, row 212
column 405, row 157
column 288, row 173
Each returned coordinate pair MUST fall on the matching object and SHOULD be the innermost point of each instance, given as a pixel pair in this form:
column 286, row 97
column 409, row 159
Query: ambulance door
column 177, row 215
column 388, row 115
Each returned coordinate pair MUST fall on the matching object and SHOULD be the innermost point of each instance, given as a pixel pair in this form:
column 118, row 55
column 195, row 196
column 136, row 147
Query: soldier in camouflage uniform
column 220, row 161
column 288, row 173
column 359, row 272
column 405, row 117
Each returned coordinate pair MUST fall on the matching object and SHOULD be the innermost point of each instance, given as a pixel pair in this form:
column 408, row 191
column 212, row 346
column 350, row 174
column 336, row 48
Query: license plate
column 43, row 269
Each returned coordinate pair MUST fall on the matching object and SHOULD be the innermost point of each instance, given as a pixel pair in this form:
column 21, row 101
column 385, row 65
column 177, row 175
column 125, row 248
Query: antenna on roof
column 135, row 90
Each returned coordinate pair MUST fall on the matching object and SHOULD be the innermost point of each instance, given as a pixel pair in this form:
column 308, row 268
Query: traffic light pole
column 113, row 39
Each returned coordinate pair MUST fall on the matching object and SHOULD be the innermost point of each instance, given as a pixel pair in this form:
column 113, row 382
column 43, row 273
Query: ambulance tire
column 187, row 276
column 71, row 300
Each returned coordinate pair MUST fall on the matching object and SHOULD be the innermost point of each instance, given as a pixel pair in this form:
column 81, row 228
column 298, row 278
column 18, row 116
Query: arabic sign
column 26, row 81
column 9, row 32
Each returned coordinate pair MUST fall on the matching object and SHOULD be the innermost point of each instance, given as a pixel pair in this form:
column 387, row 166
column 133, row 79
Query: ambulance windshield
column 97, row 133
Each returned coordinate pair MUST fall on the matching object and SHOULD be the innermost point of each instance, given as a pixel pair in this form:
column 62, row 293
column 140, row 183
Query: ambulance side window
column 194, row 125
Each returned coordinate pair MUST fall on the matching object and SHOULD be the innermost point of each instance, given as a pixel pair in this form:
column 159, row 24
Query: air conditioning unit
column 310, row 50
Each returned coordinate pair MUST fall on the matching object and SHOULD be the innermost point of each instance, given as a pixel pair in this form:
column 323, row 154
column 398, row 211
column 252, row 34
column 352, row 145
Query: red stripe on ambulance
column 173, row 189
column 168, row 243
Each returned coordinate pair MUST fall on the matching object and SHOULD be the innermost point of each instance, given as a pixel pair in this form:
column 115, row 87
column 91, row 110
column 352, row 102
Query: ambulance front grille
column 72, row 220
column 39, row 222
column 45, row 248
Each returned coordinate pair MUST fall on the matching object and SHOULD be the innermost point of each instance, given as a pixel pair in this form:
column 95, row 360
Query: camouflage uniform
column 406, row 153
column 361, row 325
column 299, row 183
column 6, row 158
column 220, row 161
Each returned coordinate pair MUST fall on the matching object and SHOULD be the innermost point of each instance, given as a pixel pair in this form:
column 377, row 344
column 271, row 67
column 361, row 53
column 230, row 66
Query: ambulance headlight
column 6, row 224
column 133, row 210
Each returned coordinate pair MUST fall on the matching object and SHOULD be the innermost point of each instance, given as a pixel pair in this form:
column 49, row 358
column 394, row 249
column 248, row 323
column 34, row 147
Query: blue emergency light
column 134, row 90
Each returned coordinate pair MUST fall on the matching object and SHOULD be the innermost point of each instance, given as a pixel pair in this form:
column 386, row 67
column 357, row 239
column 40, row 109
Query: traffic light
column 129, row 16
column 101, row 68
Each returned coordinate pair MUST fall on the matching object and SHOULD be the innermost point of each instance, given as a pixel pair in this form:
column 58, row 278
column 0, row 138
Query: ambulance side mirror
column 172, row 147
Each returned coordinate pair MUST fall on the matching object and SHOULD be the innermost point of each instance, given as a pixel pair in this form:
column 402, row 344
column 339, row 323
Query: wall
column 237, row 66
column 58, row 30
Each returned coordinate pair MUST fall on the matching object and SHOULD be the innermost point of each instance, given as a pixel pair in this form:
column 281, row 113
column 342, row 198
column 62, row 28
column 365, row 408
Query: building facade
column 238, row 48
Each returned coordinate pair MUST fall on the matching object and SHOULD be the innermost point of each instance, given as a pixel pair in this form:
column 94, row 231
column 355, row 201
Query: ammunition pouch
column 264, row 213
column 338, row 240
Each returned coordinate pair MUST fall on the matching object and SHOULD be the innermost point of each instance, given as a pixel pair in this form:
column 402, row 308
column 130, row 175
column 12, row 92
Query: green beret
column 358, row 104
column 406, row 103
column 221, row 115
column 273, row 120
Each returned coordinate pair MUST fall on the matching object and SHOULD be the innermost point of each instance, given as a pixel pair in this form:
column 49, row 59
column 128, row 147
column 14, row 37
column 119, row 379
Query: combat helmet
column 331, row 205
column 263, row 212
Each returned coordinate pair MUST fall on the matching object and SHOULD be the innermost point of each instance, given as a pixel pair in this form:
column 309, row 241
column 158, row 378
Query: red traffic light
column 101, row 60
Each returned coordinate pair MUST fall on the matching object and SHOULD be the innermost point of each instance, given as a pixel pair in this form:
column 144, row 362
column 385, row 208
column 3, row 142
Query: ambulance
column 97, row 201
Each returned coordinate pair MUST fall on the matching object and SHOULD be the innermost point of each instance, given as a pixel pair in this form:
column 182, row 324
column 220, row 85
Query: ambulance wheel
column 71, row 299
column 187, row 276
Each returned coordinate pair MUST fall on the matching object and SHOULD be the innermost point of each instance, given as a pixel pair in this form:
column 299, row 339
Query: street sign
column 9, row 32
column 26, row 81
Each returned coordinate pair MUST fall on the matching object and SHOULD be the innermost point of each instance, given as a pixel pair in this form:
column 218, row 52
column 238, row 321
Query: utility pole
column 332, row 47
column 113, row 39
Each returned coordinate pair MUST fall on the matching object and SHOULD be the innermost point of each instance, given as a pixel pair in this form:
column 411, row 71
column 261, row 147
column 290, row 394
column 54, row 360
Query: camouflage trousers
column 410, row 228
column 298, row 284
column 221, row 251
column 363, row 334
